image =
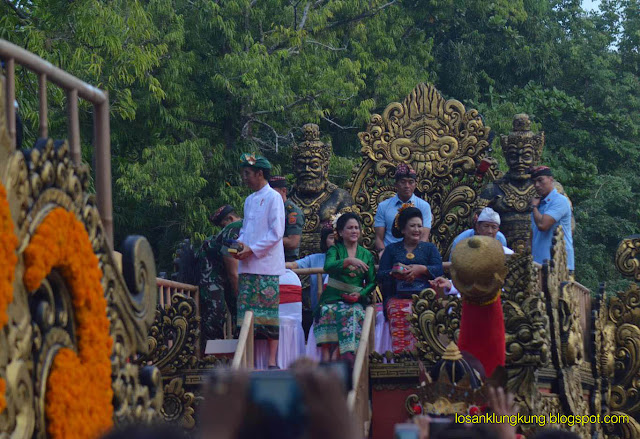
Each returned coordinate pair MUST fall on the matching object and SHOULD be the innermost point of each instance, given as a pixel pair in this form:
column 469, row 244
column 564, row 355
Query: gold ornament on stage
column 442, row 141
column 478, row 269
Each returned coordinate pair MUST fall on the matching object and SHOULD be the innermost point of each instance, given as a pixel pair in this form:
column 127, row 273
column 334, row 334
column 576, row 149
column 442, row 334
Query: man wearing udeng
column 261, row 253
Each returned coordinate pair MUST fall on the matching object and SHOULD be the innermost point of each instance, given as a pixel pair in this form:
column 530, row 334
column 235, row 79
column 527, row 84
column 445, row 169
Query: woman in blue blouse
column 405, row 269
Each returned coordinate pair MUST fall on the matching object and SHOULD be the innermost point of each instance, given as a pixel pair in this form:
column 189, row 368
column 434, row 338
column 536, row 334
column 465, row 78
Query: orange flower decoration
column 8, row 244
column 79, row 394
column 402, row 208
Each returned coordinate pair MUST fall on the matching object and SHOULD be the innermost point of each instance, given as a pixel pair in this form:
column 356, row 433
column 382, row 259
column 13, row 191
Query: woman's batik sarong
column 340, row 323
column 260, row 293
column 398, row 311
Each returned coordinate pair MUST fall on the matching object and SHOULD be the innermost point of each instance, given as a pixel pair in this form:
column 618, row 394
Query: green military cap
column 254, row 161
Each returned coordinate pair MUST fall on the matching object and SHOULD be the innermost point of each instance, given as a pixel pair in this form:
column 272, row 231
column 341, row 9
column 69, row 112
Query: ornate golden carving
column 628, row 257
column 526, row 323
column 180, row 324
column 318, row 198
column 179, row 405
column 603, row 355
column 435, row 322
column 567, row 347
column 174, row 350
column 42, row 322
column 442, row 141
column 623, row 314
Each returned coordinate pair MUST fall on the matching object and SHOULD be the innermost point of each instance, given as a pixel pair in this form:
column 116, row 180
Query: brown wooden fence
column 74, row 88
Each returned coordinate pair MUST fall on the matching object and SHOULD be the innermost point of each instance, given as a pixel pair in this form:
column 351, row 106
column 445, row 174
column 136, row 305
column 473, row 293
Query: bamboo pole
column 43, row 128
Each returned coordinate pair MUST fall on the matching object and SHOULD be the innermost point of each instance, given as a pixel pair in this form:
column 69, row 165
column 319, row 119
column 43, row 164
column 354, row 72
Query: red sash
column 290, row 294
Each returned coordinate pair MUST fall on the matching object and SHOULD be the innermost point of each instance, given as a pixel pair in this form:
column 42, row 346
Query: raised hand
column 325, row 400
column 503, row 404
column 224, row 406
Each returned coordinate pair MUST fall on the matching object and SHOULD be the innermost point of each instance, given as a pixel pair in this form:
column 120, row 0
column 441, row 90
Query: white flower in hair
column 334, row 220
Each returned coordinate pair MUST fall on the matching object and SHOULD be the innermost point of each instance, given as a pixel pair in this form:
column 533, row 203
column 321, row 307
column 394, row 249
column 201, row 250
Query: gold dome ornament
column 478, row 269
column 452, row 353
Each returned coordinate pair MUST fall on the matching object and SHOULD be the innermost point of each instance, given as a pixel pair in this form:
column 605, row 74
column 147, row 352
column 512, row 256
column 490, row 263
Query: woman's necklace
column 410, row 254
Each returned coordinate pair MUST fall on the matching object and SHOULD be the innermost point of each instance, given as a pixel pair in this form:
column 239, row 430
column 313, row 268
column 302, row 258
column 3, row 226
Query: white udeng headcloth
column 489, row 215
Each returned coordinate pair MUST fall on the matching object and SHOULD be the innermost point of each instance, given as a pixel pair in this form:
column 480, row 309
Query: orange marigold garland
column 79, row 394
column 8, row 244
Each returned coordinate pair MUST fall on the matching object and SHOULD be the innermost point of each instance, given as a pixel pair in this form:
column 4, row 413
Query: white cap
column 489, row 215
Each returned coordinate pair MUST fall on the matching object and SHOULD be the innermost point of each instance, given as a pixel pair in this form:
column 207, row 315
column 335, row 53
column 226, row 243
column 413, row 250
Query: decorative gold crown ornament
column 452, row 387
column 478, row 269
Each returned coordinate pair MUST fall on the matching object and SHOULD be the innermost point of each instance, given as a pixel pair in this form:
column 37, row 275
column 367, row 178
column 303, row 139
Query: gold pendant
column 410, row 256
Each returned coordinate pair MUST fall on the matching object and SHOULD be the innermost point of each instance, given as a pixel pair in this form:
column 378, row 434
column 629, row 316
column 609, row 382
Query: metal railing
column 358, row 398
column 167, row 288
column 243, row 358
column 74, row 88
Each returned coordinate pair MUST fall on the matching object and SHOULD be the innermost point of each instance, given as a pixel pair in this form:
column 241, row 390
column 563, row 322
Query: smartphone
column 406, row 431
column 276, row 404
column 231, row 247
column 436, row 425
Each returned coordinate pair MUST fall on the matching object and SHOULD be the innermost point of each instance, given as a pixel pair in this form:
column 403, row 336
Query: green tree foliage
column 195, row 83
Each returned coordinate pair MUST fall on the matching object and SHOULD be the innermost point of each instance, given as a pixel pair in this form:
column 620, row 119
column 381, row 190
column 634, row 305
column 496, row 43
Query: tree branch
column 338, row 125
column 17, row 10
column 361, row 16
column 304, row 16
column 308, row 98
column 326, row 46
column 265, row 145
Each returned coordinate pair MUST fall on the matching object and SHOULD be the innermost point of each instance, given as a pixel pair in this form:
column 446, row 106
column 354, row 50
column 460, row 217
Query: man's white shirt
column 262, row 230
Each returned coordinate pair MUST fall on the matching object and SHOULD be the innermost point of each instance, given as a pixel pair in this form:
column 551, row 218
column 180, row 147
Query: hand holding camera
column 305, row 401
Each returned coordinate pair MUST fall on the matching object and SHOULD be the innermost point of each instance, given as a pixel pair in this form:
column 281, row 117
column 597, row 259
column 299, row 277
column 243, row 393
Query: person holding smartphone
column 340, row 312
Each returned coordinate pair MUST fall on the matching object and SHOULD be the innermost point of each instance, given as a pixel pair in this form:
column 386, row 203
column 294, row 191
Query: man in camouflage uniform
column 294, row 220
column 219, row 275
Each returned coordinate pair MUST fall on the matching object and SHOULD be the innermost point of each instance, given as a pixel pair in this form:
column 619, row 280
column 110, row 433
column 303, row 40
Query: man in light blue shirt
column 549, row 211
column 388, row 209
column 487, row 224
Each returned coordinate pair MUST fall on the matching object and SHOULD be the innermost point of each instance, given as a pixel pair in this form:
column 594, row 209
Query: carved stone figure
column 318, row 198
column 511, row 195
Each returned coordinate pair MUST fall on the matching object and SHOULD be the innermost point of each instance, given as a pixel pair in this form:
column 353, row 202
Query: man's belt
column 333, row 283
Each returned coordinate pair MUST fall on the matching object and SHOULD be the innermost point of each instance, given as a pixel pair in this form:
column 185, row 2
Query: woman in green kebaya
column 340, row 311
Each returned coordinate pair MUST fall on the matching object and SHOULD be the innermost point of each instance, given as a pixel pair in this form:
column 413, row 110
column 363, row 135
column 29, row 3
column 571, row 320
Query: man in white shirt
column 261, row 253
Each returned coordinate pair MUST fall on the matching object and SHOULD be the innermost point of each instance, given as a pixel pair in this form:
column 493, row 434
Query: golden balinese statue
column 318, row 198
column 511, row 195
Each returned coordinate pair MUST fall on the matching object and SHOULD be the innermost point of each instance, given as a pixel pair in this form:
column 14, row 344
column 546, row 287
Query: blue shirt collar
column 550, row 195
column 411, row 200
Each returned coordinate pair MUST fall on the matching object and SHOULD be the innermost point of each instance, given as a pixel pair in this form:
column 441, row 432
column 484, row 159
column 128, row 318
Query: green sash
column 338, row 285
